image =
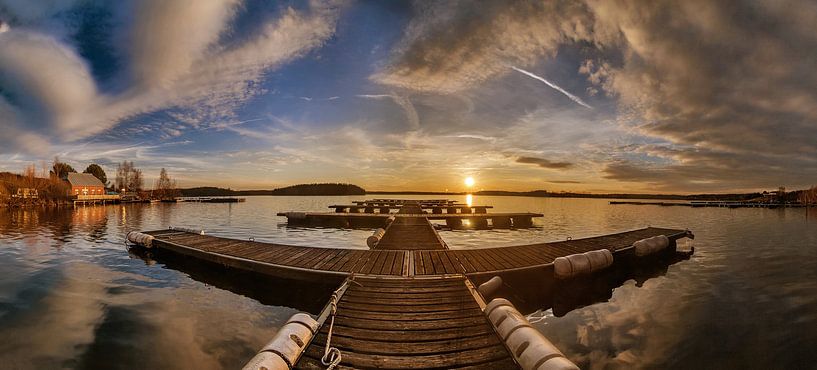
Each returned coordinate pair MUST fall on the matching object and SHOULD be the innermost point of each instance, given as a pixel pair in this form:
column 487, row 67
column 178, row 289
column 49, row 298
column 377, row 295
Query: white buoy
column 375, row 238
column 574, row 265
column 289, row 342
column 528, row 346
column 645, row 247
column 140, row 239
column 490, row 287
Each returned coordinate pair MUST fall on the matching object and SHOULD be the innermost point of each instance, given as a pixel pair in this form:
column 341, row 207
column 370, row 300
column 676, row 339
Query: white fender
column 528, row 346
column 289, row 342
column 645, row 247
column 375, row 238
column 586, row 263
column 141, row 239
column 490, row 287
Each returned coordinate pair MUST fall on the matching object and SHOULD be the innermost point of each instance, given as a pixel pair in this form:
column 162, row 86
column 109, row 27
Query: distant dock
column 211, row 199
column 374, row 213
column 717, row 204
column 407, row 300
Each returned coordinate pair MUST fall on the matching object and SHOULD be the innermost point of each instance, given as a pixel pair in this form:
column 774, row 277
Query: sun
column 469, row 181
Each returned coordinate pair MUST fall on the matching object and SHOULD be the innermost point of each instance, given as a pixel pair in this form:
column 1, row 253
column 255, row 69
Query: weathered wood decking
column 410, row 233
column 306, row 262
column 410, row 323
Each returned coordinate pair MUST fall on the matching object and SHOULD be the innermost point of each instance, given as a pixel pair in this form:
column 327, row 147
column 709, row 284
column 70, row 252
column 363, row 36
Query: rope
column 331, row 355
column 534, row 318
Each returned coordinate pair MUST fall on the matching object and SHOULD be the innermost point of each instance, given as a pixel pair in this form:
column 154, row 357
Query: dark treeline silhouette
column 302, row 189
column 545, row 193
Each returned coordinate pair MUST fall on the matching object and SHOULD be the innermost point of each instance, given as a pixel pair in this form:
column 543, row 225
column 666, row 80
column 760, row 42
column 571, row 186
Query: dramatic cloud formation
column 184, row 67
column 686, row 97
column 725, row 83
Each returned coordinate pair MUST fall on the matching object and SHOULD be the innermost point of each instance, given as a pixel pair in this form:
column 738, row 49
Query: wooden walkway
column 317, row 263
column 410, row 233
column 410, row 323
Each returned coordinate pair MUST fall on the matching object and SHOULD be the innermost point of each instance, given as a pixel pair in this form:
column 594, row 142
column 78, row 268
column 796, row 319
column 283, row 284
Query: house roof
column 83, row 179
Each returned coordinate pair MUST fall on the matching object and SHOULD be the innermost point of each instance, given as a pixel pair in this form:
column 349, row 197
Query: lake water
column 71, row 296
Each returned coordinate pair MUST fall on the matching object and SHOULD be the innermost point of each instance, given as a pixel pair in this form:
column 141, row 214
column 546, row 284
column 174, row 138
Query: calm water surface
column 71, row 296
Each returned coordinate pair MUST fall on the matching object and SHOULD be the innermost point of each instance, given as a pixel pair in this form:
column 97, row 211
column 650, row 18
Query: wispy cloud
column 554, row 86
column 412, row 117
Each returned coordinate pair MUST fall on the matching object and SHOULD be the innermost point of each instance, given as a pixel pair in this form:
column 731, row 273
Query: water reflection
column 72, row 297
column 536, row 291
column 300, row 295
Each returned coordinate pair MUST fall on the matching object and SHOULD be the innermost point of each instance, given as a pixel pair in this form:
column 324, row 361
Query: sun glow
column 469, row 181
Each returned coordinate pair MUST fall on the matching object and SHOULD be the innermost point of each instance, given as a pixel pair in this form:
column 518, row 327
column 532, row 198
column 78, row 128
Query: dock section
column 409, row 324
column 411, row 233
column 313, row 263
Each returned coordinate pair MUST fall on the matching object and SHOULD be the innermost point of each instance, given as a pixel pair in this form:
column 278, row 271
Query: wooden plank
column 441, row 360
column 412, row 316
column 408, row 325
column 411, row 348
column 401, row 336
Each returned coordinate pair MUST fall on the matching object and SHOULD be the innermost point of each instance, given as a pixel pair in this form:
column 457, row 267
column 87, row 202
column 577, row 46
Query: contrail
column 554, row 86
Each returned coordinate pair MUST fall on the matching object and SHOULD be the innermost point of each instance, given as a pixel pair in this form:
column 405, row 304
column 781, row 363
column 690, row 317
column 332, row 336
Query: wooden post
column 501, row 222
column 521, row 222
column 480, row 223
column 453, row 222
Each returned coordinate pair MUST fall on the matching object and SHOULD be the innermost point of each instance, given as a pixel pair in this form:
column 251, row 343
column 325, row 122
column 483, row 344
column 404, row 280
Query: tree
column 128, row 178
column 61, row 169
column 165, row 186
column 98, row 172
column 136, row 180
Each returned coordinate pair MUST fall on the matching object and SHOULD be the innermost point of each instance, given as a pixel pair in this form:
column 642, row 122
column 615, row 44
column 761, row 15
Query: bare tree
column 165, row 186
column 136, row 180
column 128, row 178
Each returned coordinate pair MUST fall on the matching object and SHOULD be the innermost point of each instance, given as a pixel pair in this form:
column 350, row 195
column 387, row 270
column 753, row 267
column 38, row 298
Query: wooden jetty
column 211, row 199
column 717, row 204
column 409, row 301
column 376, row 213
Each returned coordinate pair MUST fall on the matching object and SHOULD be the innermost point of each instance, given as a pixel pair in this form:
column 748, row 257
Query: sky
column 590, row 96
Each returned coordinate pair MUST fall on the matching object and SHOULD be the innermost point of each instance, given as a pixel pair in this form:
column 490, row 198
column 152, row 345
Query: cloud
column 544, row 163
column 176, row 59
column 564, row 182
column 554, row 86
column 452, row 46
column 412, row 118
column 186, row 29
column 723, row 83
column 46, row 84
